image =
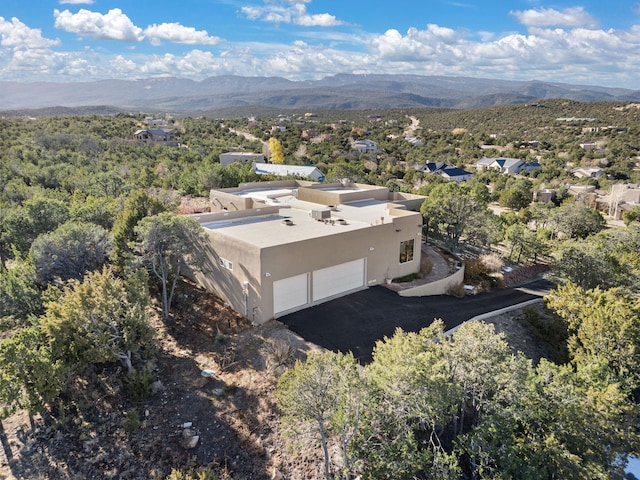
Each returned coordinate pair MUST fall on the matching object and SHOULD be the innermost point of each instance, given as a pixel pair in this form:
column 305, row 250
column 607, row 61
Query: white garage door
column 338, row 279
column 290, row 293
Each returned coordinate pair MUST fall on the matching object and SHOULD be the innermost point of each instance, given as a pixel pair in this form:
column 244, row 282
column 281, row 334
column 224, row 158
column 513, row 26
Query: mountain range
column 343, row 91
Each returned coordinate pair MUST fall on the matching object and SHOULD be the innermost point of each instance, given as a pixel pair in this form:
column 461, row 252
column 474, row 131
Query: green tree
column 30, row 375
column 21, row 225
column 136, row 207
column 321, row 391
column 70, row 251
column 584, row 263
column 20, row 297
column 562, row 424
column 166, row 245
column 603, row 326
column 451, row 211
column 576, row 220
column 632, row 215
column 515, row 198
column 524, row 243
column 351, row 171
column 101, row 319
column 409, row 408
column 98, row 210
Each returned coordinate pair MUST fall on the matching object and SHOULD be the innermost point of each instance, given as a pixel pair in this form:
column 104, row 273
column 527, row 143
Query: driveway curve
column 355, row 322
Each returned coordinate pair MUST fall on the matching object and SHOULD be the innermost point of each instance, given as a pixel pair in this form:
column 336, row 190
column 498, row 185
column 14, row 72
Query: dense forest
column 93, row 245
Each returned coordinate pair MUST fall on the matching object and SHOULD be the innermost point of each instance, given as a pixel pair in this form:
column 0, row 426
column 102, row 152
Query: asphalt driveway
column 355, row 322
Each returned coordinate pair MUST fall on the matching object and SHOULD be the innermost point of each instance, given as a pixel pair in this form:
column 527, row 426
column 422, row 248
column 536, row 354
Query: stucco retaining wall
column 439, row 287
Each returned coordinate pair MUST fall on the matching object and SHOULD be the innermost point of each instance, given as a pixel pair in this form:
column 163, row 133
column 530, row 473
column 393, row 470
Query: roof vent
column 320, row 214
column 288, row 222
column 341, row 221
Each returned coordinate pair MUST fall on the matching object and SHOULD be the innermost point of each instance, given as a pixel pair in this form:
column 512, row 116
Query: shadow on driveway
column 355, row 322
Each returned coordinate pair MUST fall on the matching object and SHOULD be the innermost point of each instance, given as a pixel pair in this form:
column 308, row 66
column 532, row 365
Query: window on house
column 406, row 251
column 224, row 263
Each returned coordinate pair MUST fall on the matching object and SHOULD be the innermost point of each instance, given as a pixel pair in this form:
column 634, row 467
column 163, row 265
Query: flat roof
column 272, row 230
column 298, row 220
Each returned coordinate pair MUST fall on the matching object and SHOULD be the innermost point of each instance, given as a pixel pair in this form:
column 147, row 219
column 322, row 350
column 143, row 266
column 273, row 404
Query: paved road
column 355, row 322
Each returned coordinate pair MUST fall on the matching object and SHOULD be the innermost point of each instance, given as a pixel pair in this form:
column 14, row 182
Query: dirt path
column 410, row 131
column 247, row 135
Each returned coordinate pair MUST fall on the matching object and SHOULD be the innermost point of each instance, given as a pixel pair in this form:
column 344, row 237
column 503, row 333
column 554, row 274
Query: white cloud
column 195, row 63
column 122, row 66
column 583, row 54
column 16, row 35
column 176, row 33
column 550, row 17
column 114, row 25
column 416, row 44
column 291, row 11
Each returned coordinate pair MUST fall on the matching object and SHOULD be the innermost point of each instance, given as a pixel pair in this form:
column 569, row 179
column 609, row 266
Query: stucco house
column 623, row 196
column 446, row 171
column 280, row 170
column 587, row 172
column 365, row 146
column 156, row 136
column 278, row 247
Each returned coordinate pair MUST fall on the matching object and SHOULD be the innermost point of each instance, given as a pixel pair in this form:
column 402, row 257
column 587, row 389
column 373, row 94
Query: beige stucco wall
column 409, row 200
column 320, row 194
column 217, row 216
column 229, row 285
column 227, row 201
column 439, row 287
column 260, row 268
column 379, row 245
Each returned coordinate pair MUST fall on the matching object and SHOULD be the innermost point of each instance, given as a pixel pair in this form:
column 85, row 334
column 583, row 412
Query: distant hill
column 344, row 91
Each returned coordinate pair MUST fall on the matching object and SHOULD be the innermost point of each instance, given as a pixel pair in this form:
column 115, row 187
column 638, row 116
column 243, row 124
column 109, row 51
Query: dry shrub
column 226, row 358
column 456, row 290
column 479, row 270
column 492, row 262
column 279, row 352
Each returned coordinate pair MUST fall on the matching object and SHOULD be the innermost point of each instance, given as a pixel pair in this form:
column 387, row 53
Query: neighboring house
column 309, row 133
column 305, row 172
column 455, row 174
column 623, row 196
column 278, row 247
column 156, row 136
column 242, row 157
column 155, row 122
column 365, row 146
column 544, row 195
column 587, row 172
column 588, row 146
column 506, row 165
column 323, row 138
column 446, row 171
column 530, row 167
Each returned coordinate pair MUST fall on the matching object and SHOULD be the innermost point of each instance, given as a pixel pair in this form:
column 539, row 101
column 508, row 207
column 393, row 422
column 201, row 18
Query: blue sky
column 592, row 42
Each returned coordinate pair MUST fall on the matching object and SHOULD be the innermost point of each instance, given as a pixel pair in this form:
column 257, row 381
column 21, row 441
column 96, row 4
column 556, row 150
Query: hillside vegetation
column 113, row 366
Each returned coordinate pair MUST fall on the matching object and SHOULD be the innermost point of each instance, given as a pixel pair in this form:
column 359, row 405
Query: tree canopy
column 166, row 245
